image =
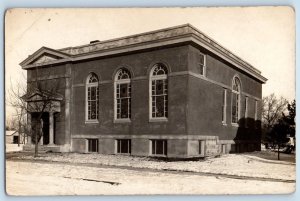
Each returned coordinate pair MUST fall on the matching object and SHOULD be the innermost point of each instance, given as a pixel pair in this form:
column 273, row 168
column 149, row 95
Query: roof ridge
column 205, row 36
column 127, row 36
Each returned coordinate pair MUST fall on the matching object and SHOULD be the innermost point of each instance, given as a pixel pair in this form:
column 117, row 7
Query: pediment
column 35, row 97
column 44, row 56
column 38, row 96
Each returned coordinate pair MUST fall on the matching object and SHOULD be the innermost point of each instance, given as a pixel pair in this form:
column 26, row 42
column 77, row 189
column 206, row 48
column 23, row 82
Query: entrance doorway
column 36, row 125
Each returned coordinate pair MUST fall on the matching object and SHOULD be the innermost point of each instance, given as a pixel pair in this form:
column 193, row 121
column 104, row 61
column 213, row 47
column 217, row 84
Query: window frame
column 203, row 65
column 164, row 148
column 246, row 106
column 165, row 79
column 87, row 86
column 236, row 93
column 88, row 145
column 255, row 111
column 224, row 148
column 129, row 88
column 201, row 147
column 118, row 146
column 224, row 107
column 246, row 115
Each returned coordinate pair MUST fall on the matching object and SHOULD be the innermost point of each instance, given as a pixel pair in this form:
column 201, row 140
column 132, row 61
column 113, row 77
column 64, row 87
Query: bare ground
column 27, row 178
column 96, row 174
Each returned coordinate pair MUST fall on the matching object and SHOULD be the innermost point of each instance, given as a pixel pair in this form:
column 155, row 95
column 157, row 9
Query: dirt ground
column 96, row 174
column 27, row 178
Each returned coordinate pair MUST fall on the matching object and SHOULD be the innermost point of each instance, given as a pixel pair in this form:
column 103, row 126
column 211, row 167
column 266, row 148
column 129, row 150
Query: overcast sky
column 263, row 36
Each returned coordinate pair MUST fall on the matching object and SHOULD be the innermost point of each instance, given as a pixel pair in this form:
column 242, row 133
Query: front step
column 41, row 148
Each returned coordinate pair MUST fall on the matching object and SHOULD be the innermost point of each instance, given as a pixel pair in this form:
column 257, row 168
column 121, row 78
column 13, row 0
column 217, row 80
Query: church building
column 172, row 92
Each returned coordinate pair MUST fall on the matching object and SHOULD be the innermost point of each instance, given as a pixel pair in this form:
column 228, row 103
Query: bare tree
column 10, row 122
column 39, row 96
column 272, row 109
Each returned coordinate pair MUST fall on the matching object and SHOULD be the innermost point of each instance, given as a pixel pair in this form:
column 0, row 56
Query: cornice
column 147, row 40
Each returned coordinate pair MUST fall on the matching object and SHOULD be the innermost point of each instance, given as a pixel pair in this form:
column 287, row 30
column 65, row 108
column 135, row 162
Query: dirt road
column 31, row 178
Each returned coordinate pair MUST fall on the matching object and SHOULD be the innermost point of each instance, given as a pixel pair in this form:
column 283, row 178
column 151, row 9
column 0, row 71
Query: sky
column 262, row 36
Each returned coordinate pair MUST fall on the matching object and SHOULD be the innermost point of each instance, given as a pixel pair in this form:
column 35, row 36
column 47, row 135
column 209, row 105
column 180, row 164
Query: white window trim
column 87, row 85
column 255, row 112
column 246, row 106
column 124, row 120
column 224, row 148
column 204, row 64
column 202, row 146
column 129, row 147
column 224, row 107
column 246, row 111
column 156, row 77
column 87, row 145
column 158, row 119
column 159, row 155
column 235, row 124
column 116, row 82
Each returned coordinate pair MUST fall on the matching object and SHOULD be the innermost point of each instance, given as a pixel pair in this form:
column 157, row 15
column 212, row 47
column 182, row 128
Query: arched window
column 159, row 92
column 236, row 97
column 92, row 98
column 123, row 94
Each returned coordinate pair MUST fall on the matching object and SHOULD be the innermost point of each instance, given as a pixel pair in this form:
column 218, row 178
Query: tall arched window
column 236, row 97
column 92, row 98
column 123, row 94
column 159, row 92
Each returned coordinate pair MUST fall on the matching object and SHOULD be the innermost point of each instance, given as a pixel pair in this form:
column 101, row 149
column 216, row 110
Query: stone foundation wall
column 199, row 146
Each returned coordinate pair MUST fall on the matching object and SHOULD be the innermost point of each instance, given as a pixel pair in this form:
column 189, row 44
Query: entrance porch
column 43, row 109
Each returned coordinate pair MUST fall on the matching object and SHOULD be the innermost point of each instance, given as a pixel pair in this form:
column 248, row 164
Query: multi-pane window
column 92, row 98
column 123, row 146
column 224, row 106
column 235, row 103
column 123, row 94
column 202, row 64
column 159, row 147
column 159, row 91
column 92, row 145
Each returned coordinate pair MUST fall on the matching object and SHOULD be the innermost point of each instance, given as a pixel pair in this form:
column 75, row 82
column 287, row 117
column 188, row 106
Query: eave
column 144, row 41
column 61, row 57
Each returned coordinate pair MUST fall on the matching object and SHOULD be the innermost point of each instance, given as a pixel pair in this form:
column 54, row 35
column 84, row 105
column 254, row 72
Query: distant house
column 173, row 92
column 12, row 137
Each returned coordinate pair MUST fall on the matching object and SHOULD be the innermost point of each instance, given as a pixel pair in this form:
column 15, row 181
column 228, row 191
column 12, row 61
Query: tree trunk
column 24, row 138
column 19, row 137
column 40, row 133
column 278, row 152
column 36, row 146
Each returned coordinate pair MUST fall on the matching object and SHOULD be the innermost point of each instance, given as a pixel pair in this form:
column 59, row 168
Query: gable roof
column 50, row 56
column 152, row 39
column 10, row 133
column 37, row 95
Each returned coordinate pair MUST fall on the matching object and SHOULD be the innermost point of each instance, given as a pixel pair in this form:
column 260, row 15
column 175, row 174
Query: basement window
column 92, row 145
column 159, row 147
column 123, row 146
